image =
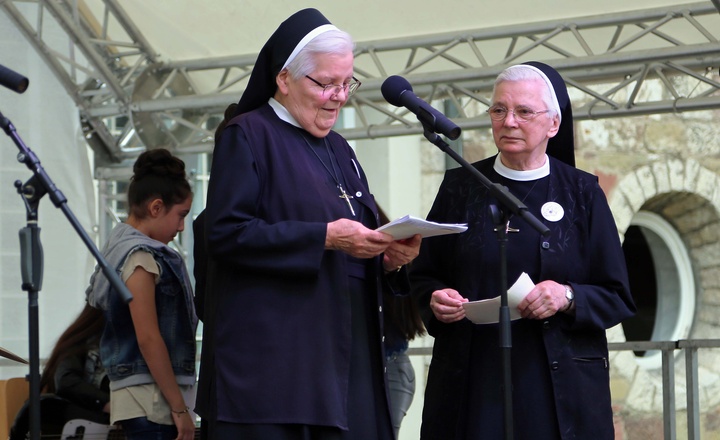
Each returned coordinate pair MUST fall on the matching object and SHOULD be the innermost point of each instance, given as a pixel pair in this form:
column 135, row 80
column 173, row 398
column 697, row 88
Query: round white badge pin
column 552, row 211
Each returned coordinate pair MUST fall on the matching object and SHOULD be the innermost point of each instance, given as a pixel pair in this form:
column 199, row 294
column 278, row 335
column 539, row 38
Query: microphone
column 397, row 91
column 13, row 80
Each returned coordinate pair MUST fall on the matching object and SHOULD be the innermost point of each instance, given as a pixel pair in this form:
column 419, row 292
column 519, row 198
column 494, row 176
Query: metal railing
column 668, row 350
column 690, row 348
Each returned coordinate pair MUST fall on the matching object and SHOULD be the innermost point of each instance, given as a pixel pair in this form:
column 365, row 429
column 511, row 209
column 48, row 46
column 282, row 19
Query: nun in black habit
column 559, row 358
column 292, row 305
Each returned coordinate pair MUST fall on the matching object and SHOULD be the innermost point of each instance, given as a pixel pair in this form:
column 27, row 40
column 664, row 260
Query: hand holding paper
column 487, row 311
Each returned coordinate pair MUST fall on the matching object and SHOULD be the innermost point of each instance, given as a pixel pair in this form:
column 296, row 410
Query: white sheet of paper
column 406, row 227
column 487, row 311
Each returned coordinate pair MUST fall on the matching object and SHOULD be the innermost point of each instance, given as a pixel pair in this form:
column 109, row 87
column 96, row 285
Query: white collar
column 283, row 113
column 523, row 176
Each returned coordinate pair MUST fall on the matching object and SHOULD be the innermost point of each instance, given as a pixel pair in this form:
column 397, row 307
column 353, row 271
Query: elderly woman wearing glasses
column 292, row 306
column 559, row 358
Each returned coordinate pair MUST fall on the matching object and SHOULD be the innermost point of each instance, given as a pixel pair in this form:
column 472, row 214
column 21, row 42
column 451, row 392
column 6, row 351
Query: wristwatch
column 570, row 295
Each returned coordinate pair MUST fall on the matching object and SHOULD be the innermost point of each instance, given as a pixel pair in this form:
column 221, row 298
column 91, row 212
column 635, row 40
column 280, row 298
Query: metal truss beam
column 94, row 68
column 643, row 62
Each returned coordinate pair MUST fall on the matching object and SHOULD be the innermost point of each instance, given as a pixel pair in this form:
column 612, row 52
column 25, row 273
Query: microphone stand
column 31, row 258
column 510, row 205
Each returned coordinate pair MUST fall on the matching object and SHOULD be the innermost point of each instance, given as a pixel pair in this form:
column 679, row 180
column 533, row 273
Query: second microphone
column 397, row 91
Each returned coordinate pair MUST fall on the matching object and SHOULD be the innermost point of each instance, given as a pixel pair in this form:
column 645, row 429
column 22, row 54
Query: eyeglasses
column 521, row 113
column 334, row 89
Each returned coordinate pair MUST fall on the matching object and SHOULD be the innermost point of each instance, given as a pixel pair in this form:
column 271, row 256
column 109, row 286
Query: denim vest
column 119, row 348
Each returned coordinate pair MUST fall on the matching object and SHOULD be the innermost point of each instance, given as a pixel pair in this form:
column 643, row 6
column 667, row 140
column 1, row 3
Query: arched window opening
column 661, row 282
column 641, row 271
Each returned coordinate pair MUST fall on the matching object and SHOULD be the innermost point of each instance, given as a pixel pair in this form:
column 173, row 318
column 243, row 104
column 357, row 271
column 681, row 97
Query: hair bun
column 158, row 162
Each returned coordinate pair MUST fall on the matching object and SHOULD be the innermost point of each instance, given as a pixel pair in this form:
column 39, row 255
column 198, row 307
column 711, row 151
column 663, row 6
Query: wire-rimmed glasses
column 521, row 113
column 350, row 88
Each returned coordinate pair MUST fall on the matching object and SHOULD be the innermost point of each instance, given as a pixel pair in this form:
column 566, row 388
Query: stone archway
column 686, row 196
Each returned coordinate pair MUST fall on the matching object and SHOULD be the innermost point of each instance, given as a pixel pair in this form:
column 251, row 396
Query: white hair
column 333, row 41
column 526, row 72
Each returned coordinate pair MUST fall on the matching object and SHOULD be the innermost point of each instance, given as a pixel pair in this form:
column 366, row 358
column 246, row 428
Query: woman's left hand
column 185, row 426
column 401, row 252
column 544, row 300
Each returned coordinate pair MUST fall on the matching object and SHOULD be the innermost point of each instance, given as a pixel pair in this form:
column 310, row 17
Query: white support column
column 394, row 170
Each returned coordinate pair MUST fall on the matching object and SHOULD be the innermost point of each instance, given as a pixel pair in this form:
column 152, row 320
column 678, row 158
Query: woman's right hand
column 446, row 305
column 355, row 239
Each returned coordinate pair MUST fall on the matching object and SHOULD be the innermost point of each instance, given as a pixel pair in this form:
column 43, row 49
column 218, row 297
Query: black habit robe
column 560, row 368
column 276, row 305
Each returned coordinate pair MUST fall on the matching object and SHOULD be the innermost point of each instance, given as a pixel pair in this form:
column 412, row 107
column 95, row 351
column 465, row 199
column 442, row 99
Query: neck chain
column 530, row 190
column 508, row 228
column 333, row 173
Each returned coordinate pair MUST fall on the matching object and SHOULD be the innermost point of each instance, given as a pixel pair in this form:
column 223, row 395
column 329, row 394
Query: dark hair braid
column 157, row 174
